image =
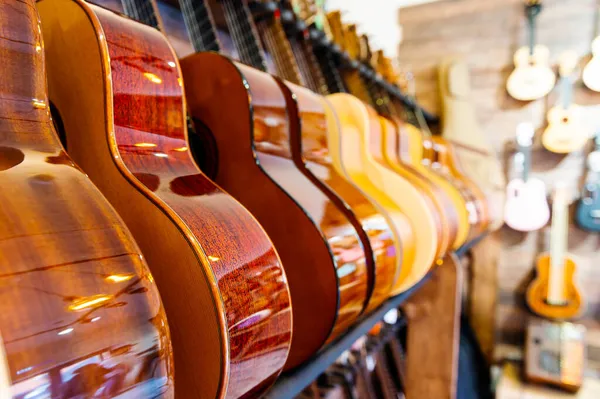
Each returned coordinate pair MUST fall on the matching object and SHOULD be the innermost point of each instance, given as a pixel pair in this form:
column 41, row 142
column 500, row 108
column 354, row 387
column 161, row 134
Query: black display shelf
column 290, row 384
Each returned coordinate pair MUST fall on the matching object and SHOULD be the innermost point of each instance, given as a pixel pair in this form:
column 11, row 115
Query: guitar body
column 532, row 77
column 445, row 155
column 526, row 207
column 469, row 148
column 587, row 215
column 359, row 122
column 565, row 133
column 222, row 282
column 309, row 145
column 255, row 165
column 538, row 290
column 75, row 289
column 591, row 72
column 445, row 207
column 411, row 151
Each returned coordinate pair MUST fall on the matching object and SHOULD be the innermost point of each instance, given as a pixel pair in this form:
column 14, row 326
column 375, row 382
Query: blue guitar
column 588, row 209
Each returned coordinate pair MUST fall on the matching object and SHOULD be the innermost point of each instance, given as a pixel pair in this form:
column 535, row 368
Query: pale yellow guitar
column 532, row 77
column 460, row 126
column 591, row 72
column 356, row 120
column 566, row 131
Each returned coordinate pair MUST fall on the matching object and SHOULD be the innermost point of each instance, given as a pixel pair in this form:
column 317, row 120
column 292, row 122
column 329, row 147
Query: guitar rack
column 290, row 384
column 263, row 9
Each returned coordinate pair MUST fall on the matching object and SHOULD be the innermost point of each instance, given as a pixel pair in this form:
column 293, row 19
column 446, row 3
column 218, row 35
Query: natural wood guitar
column 532, row 77
column 225, row 291
column 254, row 163
column 566, row 131
column 475, row 158
column 76, row 292
column 553, row 294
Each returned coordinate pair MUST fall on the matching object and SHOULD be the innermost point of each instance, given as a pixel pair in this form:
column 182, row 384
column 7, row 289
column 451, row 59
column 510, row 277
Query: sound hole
column 10, row 157
column 203, row 147
column 59, row 126
column 565, row 119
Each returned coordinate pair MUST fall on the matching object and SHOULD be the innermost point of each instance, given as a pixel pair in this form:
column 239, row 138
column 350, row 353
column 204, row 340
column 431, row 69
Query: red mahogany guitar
column 116, row 83
column 244, row 111
column 80, row 314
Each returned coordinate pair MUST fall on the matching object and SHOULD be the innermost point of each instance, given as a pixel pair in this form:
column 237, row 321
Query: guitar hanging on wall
column 588, row 209
column 526, row 207
column 532, row 77
column 553, row 293
column 565, row 131
column 591, row 71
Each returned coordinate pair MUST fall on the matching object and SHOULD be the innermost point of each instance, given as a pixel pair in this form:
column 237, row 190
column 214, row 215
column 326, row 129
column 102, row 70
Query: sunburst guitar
column 532, row 77
column 566, row 131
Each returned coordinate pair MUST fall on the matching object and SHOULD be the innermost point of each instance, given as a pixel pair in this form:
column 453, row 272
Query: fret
column 200, row 25
column 279, row 47
column 313, row 69
column 303, row 65
column 244, row 34
column 143, row 11
column 333, row 79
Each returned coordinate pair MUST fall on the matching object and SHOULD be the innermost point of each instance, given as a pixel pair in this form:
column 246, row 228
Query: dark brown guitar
column 244, row 111
column 116, row 84
column 80, row 313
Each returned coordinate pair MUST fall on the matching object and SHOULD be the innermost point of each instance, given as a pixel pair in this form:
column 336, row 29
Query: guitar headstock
column 334, row 21
column 352, row 42
column 365, row 53
column 568, row 61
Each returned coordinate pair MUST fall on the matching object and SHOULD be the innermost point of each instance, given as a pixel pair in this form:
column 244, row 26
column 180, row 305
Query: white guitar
column 526, row 207
column 591, row 72
column 532, row 77
column 566, row 131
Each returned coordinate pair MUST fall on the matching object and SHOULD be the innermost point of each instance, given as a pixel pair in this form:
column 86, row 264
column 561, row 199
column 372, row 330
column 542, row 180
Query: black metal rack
column 292, row 383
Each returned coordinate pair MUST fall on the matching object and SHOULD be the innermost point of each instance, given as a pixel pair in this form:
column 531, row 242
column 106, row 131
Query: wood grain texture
column 224, row 288
column 486, row 35
column 255, row 165
column 80, row 311
column 309, row 146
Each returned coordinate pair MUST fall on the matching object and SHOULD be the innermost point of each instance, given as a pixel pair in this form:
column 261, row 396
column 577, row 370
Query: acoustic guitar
column 308, row 144
column 254, row 163
column 532, row 77
column 587, row 215
column 81, row 313
column 475, row 157
column 526, row 207
column 225, row 291
column 591, row 71
column 566, row 131
column 553, row 294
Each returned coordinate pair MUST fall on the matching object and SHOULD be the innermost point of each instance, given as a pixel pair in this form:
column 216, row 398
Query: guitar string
column 200, row 25
column 250, row 51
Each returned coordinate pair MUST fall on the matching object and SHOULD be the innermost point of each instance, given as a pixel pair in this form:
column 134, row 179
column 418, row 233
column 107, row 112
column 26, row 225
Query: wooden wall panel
column 486, row 34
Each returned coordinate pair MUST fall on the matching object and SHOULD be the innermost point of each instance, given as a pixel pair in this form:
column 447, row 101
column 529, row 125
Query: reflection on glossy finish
column 66, row 330
column 311, row 155
column 221, row 280
column 249, row 126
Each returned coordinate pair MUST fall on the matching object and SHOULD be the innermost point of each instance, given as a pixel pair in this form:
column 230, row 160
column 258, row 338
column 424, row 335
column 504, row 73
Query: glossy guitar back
column 358, row 122
column 310, row 151
column 255, row 165
column 80, row 312
column 224, row 288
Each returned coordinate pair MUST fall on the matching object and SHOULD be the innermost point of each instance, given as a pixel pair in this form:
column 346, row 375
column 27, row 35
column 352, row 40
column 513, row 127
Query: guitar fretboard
column 143, row 11
column 333, row 79
column 200, row 25
column 558, row 248
column 243, row 32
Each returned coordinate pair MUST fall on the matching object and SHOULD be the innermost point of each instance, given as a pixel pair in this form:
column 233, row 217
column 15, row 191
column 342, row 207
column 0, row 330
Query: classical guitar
column 476, row 158
column 566, row 131
column 225, row 291
column 254, row 163
column 587, row 215
column 308, row 145
column 80, row 311
column 553, row 294
column 526, row 207
column 532, row 77
column 591, row 71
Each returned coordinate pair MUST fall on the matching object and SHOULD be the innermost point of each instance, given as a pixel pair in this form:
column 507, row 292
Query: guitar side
column 119, row 82
column 74, row 285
